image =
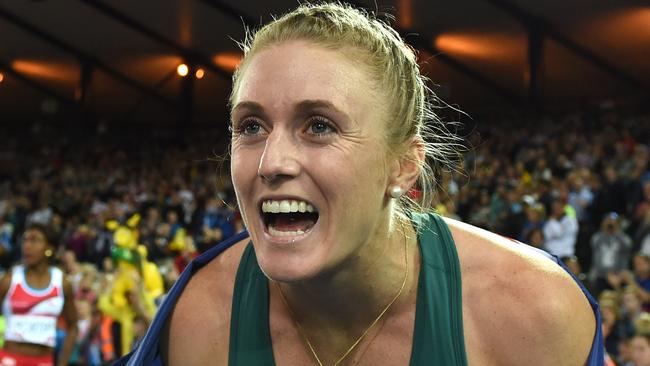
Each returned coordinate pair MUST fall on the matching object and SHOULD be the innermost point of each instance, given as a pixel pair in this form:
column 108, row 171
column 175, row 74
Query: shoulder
column 519, row 306
column 199, row 324
column 570, row 219
column 552, row 222
column 59, row 275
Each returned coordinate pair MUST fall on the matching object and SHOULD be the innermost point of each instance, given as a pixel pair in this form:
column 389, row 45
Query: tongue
column 293, row 222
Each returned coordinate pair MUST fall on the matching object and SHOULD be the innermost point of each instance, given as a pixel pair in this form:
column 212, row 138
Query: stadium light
column 182, row 70
column 228, row 61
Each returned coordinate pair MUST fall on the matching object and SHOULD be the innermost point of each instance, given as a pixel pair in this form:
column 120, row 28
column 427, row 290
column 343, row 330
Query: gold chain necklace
column 356, row 343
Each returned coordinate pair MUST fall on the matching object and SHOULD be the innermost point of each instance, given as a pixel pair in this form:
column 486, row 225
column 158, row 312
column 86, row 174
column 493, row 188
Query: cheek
column 354, row 182
column 243, row 167
column 348, row 172
column 243, row 170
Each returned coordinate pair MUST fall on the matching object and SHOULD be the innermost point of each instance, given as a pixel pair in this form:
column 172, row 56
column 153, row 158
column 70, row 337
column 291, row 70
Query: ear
column 408, row 166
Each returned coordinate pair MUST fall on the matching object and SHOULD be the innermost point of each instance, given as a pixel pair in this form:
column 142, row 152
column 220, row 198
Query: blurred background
column 113, row 114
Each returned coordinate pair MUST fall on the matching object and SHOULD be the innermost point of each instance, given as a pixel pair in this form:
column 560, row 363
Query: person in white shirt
column 560, row 231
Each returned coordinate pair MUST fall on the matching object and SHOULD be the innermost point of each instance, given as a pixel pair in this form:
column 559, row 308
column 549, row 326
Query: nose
column 280, row 157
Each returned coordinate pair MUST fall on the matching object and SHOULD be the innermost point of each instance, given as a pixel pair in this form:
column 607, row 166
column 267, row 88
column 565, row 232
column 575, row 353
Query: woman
column 328, row 114
column 34, row 294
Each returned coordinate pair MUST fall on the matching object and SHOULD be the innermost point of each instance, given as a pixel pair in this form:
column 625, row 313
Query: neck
column 38, row 268
column 334, row 309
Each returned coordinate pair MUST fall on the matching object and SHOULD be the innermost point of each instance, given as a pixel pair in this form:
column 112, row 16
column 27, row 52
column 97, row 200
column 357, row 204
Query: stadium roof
column 116, row 61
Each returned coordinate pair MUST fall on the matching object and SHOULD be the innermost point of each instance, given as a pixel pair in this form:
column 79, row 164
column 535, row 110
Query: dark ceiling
column 116, row 60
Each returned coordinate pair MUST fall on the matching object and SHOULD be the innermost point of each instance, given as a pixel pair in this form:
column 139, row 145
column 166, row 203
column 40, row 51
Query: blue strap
column 147, row 352
column 597, row 354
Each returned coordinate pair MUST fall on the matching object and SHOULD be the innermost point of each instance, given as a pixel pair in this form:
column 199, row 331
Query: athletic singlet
column 148, row 352
column 31, row 314
column 438, row 337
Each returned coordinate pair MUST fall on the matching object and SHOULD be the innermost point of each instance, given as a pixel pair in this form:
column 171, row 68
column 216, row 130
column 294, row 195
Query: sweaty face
column 309, row 162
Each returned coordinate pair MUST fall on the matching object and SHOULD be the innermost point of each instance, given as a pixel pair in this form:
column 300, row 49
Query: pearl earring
column 396, row 191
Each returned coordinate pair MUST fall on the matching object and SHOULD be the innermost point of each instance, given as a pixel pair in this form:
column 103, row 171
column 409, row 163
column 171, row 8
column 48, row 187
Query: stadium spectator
column 625, row 357
column 631, row 310
column 613, row 328
column 34, row 295
column 611, row 254
column 642, row 236
column 640, row 278
column 581, row 196
column 560, row 231
column 641, row 350
column 535, row 213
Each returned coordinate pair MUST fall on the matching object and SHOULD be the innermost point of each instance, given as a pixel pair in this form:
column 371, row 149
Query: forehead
column 287, row 73
column 629, row 295
column 34, row 234
column 640, row 342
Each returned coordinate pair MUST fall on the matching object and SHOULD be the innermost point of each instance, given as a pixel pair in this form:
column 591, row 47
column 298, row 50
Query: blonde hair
column 392, row 64
column 642, row 324
column 609, row 295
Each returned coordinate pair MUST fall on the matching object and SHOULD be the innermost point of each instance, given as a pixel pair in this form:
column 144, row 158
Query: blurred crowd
column 576, row 185
column 80, row 181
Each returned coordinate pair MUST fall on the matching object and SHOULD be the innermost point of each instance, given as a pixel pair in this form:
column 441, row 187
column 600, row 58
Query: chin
column 285, row 266
column 290, row 256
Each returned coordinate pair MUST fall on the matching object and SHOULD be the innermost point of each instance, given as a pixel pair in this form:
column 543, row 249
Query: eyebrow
column 318, row 103
column 253, row 107
column 33, row 236
column 305, row 105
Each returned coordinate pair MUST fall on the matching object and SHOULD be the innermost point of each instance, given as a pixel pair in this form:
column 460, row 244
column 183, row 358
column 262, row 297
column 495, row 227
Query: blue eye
column 248, row 128
column 319, row 127
column 252, row 128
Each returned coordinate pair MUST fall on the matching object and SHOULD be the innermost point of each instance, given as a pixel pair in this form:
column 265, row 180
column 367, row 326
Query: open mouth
column 288, row 217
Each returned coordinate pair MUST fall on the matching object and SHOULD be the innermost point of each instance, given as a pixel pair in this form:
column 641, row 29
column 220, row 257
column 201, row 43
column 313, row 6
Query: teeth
column 286, row 206
column 273, row 231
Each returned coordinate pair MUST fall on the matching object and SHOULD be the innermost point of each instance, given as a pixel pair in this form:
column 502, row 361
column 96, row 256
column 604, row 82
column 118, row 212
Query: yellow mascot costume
column 135, row 276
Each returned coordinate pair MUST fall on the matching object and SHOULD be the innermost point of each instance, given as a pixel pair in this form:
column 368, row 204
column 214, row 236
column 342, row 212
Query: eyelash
column 240, row 128
column 324, row 121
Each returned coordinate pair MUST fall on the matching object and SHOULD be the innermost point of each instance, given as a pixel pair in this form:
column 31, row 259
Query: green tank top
column 438, row 334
